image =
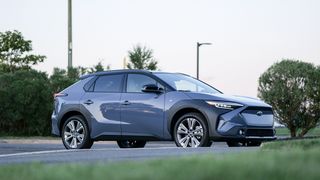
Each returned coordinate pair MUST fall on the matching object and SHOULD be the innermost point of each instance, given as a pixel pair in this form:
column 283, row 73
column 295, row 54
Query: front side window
column 108, row 83
column 136, row 82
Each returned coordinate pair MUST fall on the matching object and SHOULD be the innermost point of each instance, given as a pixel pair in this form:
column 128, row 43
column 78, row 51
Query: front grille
column 255, row 110
column 260, row 132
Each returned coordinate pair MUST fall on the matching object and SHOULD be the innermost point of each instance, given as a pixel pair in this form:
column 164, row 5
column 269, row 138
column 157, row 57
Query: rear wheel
column 235, row 143
column 75, row 133
column 254, row 143
column 239, row 144
column 131, row 144
column 191, row 131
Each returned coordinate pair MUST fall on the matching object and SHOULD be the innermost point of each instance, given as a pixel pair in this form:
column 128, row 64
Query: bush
column 293, row 89
column 26, row 103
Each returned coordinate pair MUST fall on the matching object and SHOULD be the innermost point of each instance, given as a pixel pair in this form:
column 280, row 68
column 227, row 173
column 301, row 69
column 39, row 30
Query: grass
column 302, row 144
column 286, row 132
column 298, row 159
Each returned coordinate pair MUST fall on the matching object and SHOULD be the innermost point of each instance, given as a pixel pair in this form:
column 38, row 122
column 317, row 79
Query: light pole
column 198, row 45
column 69, row 34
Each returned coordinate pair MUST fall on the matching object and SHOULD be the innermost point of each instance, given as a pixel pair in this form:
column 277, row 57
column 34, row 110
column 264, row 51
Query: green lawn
column 286, row 132
column 298, row 159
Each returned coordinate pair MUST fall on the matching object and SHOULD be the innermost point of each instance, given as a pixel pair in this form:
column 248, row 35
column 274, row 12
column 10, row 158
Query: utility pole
column 124, row 63
column 198, row 45
column 69, row 34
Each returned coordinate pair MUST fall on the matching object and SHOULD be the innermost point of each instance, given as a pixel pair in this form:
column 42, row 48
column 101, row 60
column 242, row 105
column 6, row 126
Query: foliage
column 142, row 58
column 292, row 88
column 98, row 68
column 61, row 78
column 15, row 52
column 26, row 103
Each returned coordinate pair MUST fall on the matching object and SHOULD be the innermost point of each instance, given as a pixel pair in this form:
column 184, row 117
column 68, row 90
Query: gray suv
column 136, row 106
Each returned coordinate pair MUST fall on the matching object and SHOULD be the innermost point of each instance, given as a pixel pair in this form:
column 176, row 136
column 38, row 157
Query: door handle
column 126, row 103
column 88, row 102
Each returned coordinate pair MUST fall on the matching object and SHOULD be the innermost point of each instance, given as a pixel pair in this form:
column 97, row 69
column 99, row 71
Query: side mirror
column 151, row 88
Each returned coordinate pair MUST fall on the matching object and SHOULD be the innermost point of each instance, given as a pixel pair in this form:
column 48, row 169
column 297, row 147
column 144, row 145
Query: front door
column 142, row 114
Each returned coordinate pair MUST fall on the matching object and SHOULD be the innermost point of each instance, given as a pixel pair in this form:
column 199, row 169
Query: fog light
column 241, row 132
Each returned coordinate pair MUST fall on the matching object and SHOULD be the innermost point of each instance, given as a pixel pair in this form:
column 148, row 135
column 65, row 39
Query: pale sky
column 247, row 36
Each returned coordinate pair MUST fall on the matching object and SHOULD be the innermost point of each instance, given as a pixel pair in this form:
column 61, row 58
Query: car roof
column 124, row 71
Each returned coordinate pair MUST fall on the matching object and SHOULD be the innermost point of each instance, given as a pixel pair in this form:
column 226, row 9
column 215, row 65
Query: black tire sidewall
column 87, row 142
column 205, row 142
column 138, row 144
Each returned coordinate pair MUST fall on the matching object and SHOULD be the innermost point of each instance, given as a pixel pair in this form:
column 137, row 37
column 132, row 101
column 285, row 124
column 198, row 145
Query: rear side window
column 109, row 83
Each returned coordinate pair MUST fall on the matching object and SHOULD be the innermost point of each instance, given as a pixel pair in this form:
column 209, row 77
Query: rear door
column 142, row 114
column 102, row 103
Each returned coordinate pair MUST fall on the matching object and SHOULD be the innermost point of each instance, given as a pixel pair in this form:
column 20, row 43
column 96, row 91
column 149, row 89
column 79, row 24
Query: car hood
column 223, row 97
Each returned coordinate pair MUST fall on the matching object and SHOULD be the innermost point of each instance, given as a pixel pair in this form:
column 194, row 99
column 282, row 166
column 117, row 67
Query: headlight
column 224, row 105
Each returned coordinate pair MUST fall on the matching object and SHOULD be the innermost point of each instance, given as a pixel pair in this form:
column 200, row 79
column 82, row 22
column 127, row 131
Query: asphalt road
column 14, row 153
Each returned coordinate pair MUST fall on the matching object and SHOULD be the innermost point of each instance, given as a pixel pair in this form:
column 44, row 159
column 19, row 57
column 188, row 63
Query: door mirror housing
column 151, row 88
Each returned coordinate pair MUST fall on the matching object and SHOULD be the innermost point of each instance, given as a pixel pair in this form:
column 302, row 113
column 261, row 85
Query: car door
column 142, row 113
column 102, row 103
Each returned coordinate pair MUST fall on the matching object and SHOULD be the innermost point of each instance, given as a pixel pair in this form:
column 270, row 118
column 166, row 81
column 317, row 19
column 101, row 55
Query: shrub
column 25, row 103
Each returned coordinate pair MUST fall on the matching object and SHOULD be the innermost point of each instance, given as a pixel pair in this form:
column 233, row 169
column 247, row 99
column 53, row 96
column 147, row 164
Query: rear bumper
column 54, row 125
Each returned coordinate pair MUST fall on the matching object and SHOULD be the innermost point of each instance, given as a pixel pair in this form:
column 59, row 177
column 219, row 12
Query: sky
column 247, row 36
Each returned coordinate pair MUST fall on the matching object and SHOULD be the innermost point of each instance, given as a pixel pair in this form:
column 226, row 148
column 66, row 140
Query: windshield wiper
column 184, row 90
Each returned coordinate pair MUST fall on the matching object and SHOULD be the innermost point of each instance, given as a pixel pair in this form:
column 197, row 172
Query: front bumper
column 246, row 123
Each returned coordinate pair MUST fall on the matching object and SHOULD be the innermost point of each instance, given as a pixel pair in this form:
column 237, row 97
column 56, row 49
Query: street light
column 198, row 45
column 69, row 34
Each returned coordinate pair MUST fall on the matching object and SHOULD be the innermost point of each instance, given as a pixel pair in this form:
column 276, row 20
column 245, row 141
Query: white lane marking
column 83, row 150
column 34, row 153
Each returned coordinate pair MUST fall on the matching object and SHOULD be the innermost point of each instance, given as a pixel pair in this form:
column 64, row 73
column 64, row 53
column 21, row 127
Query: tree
column 61, row 78
column 313, row 103
column 292, row 88
column 141, row 58
column 15, row 52
column 98, row 68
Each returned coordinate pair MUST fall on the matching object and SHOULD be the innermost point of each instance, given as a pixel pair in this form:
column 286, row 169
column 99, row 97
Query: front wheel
column 191, row 131
column 75, row 133
column 131, row 144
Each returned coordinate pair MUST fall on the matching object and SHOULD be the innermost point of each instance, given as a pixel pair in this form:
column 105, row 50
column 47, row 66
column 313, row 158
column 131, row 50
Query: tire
column 75, row 133
column 235, row 144
column 191, row 130
column 254, row 143
column 240, row 144
column 131, row 144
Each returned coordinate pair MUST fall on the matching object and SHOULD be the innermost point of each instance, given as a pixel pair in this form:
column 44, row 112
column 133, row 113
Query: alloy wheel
column 190, row 132
column 74, row 134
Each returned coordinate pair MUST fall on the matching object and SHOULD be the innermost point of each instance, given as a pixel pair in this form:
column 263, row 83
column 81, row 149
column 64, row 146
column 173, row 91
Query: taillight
column 59, row 95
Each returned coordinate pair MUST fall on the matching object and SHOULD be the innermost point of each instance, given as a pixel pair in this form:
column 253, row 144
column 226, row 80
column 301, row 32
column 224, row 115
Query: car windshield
column 181, row 82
